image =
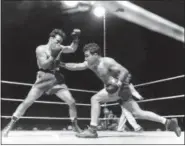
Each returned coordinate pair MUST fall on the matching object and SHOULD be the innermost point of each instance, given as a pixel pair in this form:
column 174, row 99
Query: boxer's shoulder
column 107, row 60
column 41, row 48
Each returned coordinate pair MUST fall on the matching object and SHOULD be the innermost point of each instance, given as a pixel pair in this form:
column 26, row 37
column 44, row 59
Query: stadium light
column 71, row 3
column 92, row 2
column 99, row 11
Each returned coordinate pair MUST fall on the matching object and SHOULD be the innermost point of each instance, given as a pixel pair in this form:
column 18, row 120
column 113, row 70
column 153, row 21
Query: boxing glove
column 111, row 89
column 76, row 33
column 55, row 49
column 113, row 85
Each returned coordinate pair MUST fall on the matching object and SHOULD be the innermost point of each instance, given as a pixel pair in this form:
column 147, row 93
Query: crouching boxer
column 117, row 80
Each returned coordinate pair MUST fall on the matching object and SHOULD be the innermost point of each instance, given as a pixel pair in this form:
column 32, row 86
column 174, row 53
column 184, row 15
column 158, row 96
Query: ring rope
column 82, row 104
column 152, row 99
column 44, row 102
column 159, row 81
column 162, row 98
column 28, row 84
column 80, row 90
column 66, row 118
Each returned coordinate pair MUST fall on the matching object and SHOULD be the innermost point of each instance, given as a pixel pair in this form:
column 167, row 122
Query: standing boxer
column 49, row 80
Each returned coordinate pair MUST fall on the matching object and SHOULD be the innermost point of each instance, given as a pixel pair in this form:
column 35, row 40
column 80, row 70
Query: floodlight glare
column 92, row 2
column 71, row 3
column 99, row 11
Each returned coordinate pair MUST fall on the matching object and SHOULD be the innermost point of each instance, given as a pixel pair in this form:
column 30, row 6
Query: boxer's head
column 105, row 111
column 91, row 52
column 110, row 112
column 56, row 36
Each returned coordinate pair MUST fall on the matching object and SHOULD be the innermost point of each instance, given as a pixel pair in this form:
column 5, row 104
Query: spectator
column 35, row 129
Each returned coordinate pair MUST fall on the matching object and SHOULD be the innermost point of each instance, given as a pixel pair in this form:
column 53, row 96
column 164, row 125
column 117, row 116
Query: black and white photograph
column 92, row 72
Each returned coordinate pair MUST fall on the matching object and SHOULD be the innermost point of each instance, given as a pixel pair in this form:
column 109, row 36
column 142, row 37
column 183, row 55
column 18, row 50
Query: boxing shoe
column 10, row 125
column 140, row 129
column 5, row 133
column 172, row 125
column 88, row 133
column 75, row 126
column 6, row 130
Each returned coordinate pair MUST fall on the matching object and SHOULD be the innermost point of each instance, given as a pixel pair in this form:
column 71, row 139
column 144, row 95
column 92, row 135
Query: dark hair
column 93, row 48
column 57, row 32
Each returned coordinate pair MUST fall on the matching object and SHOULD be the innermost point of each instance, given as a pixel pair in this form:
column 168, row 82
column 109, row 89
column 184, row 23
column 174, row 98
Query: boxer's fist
column 111, row 89
column 113, row 85
column 55, row 49
column 76, row 33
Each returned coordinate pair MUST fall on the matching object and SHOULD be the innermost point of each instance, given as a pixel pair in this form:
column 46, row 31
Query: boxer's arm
column 74, row 45
column 71, row 48
column 42, row 59
column 75, row 66
column 135, row 93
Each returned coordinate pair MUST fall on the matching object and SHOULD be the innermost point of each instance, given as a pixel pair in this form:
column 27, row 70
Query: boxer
column 117, row 80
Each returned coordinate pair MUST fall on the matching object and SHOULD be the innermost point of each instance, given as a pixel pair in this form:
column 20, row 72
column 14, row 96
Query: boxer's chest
column 102, row 71
column 48, row 53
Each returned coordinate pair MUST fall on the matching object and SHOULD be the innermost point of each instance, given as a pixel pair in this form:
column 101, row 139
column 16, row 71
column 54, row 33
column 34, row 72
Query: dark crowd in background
column 147, row 55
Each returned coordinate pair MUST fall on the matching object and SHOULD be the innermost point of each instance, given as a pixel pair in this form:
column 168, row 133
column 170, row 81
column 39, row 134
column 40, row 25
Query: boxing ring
column 105, row 137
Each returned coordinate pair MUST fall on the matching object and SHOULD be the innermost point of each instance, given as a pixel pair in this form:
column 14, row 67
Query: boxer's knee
column 67, row 97
column 72, row 102
column 133, row 107
column 138, row 113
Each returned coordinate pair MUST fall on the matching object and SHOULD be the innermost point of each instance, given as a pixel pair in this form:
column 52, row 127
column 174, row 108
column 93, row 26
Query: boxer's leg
column 33, row 94
column 101, row 97
column 131, row 119
column 122, row 121
column 66, row 96
column 42, row 83
column 134, row 108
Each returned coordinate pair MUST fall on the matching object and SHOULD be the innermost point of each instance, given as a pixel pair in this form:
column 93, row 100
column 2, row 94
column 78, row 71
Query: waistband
column 47, row 70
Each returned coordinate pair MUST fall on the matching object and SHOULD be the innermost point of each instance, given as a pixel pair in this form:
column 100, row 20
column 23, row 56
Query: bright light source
column 71, row 3
column 99, row 11
column 92, row 2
